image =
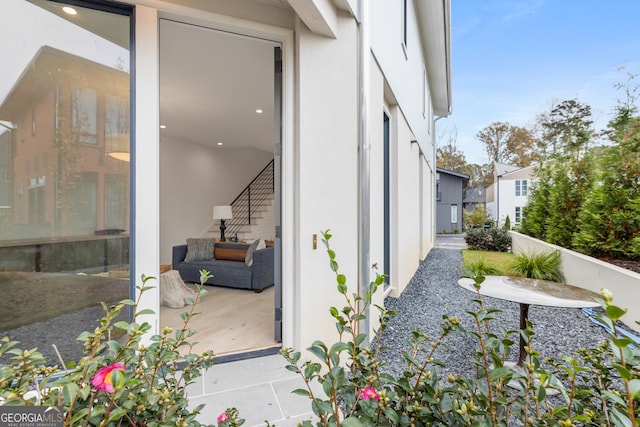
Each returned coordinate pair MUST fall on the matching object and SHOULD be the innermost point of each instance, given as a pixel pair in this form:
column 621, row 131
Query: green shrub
column 480, row 266
column 475, row 218
column 494, row 239
column 541, row 265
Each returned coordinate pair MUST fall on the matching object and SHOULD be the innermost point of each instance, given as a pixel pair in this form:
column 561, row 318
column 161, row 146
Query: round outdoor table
column 532, row 291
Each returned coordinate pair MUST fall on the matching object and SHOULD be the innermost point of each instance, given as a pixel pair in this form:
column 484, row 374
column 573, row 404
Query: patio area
column 260, row 388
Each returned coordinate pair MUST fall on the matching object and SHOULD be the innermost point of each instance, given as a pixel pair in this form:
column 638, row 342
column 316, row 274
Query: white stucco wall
column 506, row 201
column 590, row 273
column 327, row 176
column 320, row 157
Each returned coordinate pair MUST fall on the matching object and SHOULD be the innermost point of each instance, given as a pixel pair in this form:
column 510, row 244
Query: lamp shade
column 222, row 212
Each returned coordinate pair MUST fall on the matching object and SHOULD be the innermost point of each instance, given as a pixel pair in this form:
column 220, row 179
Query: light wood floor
column 231, row 320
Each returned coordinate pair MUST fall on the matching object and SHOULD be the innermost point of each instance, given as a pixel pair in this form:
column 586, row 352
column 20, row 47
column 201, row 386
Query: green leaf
column 351, row 422
column 117, row 414
column 502, row 372
column 341, row 278
column 319, row 350
column 117, row 379
column 338, row 347
column 114, row 346
column 392, row 415
column 614, row 312
column 301, row 392
column 121, row 325
column 145, row 312
column 69, row 392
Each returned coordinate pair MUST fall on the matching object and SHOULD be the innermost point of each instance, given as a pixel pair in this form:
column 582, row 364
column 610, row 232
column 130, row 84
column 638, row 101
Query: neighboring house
column 198, row 97
column 449, row 190
column 50, row 197
column 474, row 197
column 509, row 193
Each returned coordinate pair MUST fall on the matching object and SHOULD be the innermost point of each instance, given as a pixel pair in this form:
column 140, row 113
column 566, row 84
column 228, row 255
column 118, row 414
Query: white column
column 146, row 160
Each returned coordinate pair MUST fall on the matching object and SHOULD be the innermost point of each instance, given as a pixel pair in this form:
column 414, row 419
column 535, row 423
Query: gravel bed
column 433, row 291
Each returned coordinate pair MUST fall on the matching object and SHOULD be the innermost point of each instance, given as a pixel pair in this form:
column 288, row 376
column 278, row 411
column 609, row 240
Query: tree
column 478, row 174
column 447, row 154
column 495, row 138
column 566, row 129
column 506, row 143
column 609, row 222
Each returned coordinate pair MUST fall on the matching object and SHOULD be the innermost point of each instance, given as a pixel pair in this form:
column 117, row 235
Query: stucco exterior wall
column 590, row 273
column 327, row 189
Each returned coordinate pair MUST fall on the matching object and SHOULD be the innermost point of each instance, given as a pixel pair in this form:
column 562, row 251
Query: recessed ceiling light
column 220, row 143
column 259, row 111
column 69, row 10
column 163, row 126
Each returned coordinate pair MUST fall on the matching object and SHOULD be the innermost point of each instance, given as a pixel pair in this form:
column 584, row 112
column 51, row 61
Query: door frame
column 146, row 161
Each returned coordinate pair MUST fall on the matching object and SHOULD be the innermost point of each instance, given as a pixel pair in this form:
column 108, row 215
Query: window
column 63, row 191
column 521, row 187
column 404, row 23
column 85, row 115
column 454, row 214
column 518, row 214
column 116, row 126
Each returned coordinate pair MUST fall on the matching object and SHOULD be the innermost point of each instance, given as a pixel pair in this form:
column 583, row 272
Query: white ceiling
column 212, row 83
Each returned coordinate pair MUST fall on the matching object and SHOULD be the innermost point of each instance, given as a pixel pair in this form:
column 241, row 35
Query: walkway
column 451, row 241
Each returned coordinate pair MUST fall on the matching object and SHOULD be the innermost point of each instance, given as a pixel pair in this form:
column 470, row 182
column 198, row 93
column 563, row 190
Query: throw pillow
column 256, row 245
column 230, row 251
column 199, row 249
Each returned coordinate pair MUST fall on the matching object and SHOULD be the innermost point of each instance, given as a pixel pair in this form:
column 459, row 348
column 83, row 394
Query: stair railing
column 251, row 198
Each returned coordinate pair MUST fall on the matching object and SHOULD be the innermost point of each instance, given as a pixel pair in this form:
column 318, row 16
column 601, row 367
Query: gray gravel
column 434, row 291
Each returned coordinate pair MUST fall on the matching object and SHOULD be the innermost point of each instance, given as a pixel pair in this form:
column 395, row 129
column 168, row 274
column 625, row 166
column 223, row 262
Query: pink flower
column 102, row 380
column 369, row 393
column 223, row 417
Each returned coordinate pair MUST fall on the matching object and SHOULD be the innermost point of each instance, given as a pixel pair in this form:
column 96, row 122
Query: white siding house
column 509, row 193
column 352, row 89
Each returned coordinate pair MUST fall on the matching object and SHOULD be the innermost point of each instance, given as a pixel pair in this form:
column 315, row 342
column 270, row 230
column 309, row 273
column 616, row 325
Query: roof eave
column 434, row 20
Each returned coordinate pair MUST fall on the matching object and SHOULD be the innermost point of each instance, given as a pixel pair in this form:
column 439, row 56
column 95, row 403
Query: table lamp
column 222, row 213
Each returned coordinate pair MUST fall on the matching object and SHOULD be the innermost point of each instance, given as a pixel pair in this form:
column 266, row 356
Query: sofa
column 234, row 265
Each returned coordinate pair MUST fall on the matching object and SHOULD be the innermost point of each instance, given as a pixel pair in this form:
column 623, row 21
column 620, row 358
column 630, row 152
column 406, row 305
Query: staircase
column 253, row 210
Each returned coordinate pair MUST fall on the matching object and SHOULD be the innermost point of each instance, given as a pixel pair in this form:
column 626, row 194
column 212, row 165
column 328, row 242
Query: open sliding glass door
column 277, row 212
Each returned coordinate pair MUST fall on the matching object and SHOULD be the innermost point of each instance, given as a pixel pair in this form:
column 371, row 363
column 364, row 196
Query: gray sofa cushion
column 199, row 249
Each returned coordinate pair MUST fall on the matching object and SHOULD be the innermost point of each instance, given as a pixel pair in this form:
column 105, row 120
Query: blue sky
column 511, row 59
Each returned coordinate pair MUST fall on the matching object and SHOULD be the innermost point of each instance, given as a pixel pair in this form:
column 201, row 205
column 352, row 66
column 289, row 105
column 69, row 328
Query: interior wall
column 194, row 178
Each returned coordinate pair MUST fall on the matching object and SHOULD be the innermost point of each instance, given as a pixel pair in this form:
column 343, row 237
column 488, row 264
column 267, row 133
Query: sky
column 512, row 59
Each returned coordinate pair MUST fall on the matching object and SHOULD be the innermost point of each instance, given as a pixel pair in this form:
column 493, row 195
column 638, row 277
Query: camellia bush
column 494, row 239
column 128, row 383
column 118, row 382
column 601, row 385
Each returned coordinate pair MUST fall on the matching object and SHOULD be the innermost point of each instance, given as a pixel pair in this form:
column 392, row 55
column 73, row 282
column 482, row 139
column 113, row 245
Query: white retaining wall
column 590, row 273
